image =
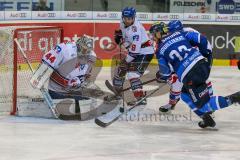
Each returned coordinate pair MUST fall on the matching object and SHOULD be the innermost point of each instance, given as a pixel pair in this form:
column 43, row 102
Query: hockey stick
column 111, row 88
column 123, row 100
column 44, row 92
column 112, row 116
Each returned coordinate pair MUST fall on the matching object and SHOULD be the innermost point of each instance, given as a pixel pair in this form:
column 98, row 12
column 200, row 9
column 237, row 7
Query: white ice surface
column 24, row 138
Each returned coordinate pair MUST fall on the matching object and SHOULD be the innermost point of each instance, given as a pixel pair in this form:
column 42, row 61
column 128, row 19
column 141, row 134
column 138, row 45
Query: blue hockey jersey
column 176, row 52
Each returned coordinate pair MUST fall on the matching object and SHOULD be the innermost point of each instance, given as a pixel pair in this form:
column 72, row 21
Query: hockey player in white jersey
column 133, row 36
column 67, row 67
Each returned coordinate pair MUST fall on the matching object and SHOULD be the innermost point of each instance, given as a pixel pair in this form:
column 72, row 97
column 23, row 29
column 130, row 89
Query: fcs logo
column 58, row 49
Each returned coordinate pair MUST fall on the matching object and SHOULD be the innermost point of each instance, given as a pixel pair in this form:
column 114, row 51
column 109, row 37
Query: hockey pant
column 195, row 91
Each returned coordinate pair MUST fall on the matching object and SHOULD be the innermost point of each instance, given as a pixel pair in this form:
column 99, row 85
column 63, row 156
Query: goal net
column 14, row 71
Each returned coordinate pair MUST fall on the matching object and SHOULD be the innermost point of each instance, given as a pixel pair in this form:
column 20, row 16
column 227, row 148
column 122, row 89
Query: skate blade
column 215, row 128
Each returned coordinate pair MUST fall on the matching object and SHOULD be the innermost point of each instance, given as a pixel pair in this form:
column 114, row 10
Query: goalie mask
column 84, row 45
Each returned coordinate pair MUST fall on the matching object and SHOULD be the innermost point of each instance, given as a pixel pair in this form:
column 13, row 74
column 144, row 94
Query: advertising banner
column 228, row 6
column 225, row 39
column 199, row 17
column 76, row 14
column 18, row 15
column 27, row 5
column 106, row 15
column 46, row 14
column 192, row 6
column 167, row 16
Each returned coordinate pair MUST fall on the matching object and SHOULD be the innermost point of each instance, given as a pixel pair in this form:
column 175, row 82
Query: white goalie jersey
column 67, row 64
column 135, row 39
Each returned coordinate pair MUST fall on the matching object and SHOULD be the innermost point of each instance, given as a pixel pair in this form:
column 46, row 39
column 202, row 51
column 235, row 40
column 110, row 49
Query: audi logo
column 205, row 17
column 235, row 17
column 143, row 16
column 174, row 16
column 51, row 14
column 82, row 14
column 22, row 15
column 113, row 15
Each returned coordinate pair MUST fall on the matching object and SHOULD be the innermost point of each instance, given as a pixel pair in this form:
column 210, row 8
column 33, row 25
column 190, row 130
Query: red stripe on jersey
column 59, row 79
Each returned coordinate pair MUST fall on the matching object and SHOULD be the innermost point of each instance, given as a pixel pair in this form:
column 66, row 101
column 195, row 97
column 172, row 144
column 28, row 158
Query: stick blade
column 107, row 119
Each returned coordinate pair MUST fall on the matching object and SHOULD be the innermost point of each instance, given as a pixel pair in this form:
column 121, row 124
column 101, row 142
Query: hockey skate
column 167, row 108
column 234, row 98
column 207, row 121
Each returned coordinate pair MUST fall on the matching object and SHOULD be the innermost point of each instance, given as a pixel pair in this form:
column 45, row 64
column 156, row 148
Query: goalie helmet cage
column 14, row 72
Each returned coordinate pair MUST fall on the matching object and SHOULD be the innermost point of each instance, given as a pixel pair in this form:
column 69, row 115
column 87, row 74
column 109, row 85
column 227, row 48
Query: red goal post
column 14, row 72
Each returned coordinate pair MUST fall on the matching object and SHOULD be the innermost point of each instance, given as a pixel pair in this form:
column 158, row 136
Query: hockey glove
column 76, row 82
column 118, row 36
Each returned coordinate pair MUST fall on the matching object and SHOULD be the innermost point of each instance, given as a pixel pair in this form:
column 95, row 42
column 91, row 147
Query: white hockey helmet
column 84, row 44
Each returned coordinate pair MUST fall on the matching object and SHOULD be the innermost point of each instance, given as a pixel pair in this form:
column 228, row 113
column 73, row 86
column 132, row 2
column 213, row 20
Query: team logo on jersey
column 58, row 49
column 134, row 28
column 136, row 37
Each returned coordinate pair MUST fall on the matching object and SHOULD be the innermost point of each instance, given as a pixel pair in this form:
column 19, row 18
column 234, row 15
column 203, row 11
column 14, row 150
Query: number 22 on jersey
column 182, row 50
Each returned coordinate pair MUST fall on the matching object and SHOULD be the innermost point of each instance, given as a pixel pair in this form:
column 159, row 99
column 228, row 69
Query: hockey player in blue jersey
column 175, row 51
column 204, row 47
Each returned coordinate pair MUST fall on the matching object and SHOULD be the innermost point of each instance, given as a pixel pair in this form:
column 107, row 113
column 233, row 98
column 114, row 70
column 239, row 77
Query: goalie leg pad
column 41, row 75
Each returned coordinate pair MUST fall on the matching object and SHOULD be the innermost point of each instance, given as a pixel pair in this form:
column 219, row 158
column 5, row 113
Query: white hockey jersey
column 135, row 39
column 67, row 65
